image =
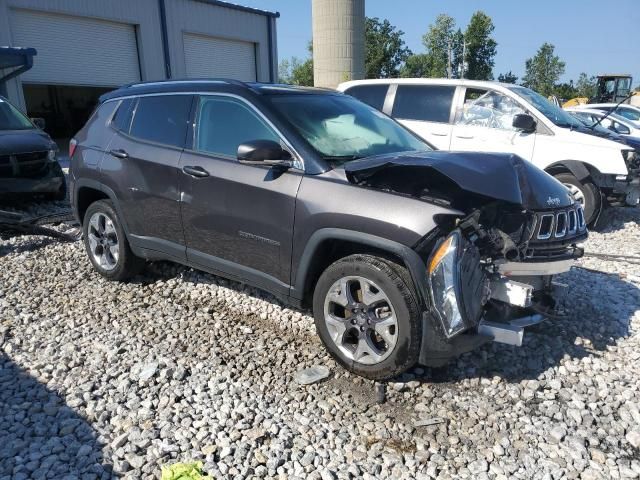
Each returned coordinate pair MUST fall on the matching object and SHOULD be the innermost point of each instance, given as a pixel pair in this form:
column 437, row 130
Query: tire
column 377, row 337
column 102, row 231
column 586, row 193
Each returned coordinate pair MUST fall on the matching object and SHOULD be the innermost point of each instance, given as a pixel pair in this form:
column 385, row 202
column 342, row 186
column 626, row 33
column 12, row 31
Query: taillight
column 72, row 147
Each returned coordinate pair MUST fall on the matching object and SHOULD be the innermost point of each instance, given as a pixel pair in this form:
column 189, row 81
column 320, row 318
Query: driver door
column 237, row 219
column 483, row 122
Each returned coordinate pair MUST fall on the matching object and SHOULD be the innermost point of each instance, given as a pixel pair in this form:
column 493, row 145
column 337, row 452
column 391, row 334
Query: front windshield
column 554, row 113
column 11, row 118
column 341, row 128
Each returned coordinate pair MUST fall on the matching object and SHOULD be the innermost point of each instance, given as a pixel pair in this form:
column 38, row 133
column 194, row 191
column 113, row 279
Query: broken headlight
column 444, row 284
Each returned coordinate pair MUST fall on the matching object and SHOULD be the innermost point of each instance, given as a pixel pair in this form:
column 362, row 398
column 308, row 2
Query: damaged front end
column 490, row 269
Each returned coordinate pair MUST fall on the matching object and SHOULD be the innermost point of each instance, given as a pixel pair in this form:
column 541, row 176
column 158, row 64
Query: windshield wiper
column 613, row 110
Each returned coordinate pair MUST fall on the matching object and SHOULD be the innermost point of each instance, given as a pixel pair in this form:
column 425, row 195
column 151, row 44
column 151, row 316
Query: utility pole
column 463, row 64
column 449, row 68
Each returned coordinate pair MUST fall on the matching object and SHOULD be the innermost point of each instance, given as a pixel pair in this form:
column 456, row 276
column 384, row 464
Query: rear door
column 427, row 110
column 238, row 219
column 483, row 122
column 142, row 167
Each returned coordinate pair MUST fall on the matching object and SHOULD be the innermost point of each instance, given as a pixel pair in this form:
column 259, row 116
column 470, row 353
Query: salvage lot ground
column 101, row 380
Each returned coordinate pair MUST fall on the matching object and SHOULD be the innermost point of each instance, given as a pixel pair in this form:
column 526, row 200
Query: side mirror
column 39, row 122
column 524, row 122
column 264, row 152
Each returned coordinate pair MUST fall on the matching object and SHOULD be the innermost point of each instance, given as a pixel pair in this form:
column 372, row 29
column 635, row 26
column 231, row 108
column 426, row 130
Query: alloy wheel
column 103, row 241
column 576, row 193
column 360, row 320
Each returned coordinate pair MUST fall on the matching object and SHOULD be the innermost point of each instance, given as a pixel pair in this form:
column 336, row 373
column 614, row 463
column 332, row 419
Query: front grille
column 23, row 165
column 559, row 224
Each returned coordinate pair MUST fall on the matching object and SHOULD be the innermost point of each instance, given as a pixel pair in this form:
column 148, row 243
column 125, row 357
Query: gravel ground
column 101, row 380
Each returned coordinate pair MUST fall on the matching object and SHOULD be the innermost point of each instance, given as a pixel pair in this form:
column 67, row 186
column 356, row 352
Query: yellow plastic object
column 184, row 471
column 440, row 253
column 574, row 102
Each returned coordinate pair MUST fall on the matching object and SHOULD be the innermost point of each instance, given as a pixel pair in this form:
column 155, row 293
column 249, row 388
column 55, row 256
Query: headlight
column 443, row 281
column 51, row 155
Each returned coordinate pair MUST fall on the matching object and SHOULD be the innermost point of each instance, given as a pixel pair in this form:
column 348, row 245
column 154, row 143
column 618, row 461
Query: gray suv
column 405, row 254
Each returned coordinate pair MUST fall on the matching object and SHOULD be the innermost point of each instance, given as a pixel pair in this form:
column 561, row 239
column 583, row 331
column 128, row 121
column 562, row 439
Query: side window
column 628, row 113
column 430, row 103
column 486, row 108
column 372, row 95
column 224, row 123
column 122, row 119
column 162, row 119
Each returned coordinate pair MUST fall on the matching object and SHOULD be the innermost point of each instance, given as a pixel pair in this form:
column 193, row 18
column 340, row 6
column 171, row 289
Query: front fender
column 410, row 258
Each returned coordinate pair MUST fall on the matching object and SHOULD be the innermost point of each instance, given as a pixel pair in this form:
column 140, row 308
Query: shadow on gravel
column 40, row 436
column 600, row 307
column 35, row 244
column 614, row 219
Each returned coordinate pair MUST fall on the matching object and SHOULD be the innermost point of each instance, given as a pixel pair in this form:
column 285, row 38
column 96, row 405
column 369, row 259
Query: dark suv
column 404, row 254
column 28, row 163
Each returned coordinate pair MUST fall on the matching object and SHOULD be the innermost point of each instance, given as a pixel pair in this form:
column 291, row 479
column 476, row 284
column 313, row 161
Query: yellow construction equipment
column 610, row 88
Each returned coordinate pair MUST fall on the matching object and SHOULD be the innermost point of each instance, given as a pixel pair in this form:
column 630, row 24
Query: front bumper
column 50, row 182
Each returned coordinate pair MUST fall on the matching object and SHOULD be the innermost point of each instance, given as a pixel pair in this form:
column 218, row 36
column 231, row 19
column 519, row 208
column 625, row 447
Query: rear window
column 431, row 103
column 122, row 119
column 162, row 119
column 372, row 95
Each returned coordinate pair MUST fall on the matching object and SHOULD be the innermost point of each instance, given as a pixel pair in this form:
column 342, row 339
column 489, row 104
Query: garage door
column 218, row 57
column 76, row 50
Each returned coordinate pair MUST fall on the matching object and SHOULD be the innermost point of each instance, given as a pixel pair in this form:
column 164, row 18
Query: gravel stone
column 103, row 380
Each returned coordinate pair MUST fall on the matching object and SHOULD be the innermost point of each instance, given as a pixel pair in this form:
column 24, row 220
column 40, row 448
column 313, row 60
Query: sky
column 591, row 36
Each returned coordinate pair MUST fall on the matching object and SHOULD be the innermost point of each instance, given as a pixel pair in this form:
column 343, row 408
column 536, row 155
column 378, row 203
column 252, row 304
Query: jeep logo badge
column 553, row 201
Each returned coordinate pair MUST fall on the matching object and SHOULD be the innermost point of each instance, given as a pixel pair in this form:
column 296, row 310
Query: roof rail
column 171, row 81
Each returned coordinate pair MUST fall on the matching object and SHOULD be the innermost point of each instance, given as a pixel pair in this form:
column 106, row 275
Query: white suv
column 493, row 117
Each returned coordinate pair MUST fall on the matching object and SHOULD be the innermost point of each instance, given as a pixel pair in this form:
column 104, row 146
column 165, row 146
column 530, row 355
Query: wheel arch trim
column 410, row 257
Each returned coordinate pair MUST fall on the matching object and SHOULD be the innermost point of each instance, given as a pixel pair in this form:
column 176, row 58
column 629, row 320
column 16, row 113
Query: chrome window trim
column 298, row 161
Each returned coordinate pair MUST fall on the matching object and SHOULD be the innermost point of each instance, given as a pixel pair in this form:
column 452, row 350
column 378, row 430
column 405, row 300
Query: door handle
column 119, row 153
column 465, row 137
column 438, row 134
column 197, row 172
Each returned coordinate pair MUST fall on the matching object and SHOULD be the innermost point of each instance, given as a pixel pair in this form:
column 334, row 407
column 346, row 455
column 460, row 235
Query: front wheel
column 585, row 193
column 367, row 315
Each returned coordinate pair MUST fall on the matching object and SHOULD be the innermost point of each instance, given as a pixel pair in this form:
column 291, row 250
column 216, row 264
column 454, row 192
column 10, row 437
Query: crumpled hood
column 499, row 176
column 13, row 142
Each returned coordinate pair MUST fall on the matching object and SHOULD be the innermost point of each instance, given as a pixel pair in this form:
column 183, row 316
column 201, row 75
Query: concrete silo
column 338, row 41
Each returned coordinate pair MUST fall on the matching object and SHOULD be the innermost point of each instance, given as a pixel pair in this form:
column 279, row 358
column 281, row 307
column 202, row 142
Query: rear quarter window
column 373, row 95
column 122, row 119
column 162, row 119
column 430, row 103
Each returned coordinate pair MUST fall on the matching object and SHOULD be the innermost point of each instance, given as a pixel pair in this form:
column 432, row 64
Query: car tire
column 368, row 317
column 106, row 243
column 585, row 193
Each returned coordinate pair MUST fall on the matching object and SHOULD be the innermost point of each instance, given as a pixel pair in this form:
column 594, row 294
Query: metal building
column 87, row 47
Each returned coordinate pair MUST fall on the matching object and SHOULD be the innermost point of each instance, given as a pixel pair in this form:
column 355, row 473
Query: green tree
column 481, row 47
column 565, row 91
column 543, row 70
column 417, row 66
column 585, row 86
column 385, row 49
column 296, row 71
column 508, row 77
column 438, row 40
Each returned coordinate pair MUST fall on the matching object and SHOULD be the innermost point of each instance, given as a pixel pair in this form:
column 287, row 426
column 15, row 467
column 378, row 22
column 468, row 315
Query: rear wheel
column 367, row 315
column 585, row 193
column 106, row 243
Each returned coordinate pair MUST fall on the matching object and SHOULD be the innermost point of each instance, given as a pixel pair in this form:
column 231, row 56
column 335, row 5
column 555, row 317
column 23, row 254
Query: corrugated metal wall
column 195, row 17
column 183, row 17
